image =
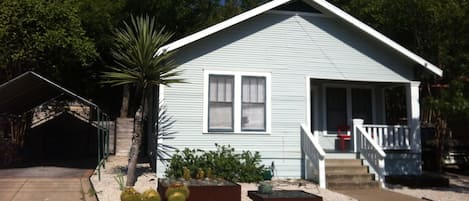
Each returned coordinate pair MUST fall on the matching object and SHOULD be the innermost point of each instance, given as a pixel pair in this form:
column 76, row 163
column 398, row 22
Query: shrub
column 224, row 163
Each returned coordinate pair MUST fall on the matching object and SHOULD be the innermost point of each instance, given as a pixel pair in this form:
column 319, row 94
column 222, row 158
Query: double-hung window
column 253, row 104
column 221, row 103
column 237, row 102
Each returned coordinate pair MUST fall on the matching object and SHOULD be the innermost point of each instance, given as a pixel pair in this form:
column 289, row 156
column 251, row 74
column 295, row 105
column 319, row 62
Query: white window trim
column 349, row 103
column 237, row 101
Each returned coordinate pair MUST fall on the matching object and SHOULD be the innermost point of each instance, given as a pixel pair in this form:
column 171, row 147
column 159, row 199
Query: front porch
column 386, row 142
column 390, row 112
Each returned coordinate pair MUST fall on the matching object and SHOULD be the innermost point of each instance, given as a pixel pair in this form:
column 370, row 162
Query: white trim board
column 321, row 5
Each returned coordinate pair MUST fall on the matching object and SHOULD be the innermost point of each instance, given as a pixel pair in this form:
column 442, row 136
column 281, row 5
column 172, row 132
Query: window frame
column 265, row 104
column 232, row 106
column 237, row 101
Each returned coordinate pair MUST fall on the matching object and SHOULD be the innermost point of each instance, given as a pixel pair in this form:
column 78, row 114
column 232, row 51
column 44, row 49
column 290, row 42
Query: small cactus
column 209, row 173
column 177, row 187
column 130, row 194
column 151, row 195
column 265, row 187
column 177, row 196
column 186, row 173
column 200, row 174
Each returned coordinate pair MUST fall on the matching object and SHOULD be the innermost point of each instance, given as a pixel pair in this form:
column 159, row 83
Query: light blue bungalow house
column 303, row 83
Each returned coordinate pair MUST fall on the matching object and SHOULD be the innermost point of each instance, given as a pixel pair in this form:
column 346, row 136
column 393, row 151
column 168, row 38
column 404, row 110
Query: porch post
column 413, row 115
column 355, row 137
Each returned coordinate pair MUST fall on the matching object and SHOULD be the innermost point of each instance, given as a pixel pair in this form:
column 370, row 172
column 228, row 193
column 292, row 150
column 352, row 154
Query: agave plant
column 164, row 132
column 136, row 65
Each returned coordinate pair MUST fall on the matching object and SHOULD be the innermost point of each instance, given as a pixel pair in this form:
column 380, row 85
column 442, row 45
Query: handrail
column 369, row 149
column 314, row 140
column 314, row 151
column 371, row 141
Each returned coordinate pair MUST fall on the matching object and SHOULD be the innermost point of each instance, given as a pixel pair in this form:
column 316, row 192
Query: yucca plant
column 138, row 65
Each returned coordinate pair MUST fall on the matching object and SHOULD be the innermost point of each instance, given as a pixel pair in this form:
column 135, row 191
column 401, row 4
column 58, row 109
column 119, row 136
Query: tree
column 435, row 30
column 184, row 17
column 137, row 65
column 99, row 19
column 44, row 36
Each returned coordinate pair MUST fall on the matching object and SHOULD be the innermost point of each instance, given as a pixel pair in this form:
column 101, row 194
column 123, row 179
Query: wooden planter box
column 283, row 195
column 224, row 191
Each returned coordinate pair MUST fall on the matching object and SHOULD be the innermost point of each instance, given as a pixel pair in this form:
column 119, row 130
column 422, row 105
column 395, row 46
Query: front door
column 344, row 104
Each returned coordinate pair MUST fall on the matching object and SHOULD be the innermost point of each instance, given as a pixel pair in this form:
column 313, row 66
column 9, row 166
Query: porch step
column 342, row 162
column 348, row 174
column 124, row 132
column 352, row 185
column 350, row 177
column 344, row 170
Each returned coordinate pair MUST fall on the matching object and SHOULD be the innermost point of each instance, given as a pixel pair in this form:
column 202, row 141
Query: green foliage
column 138, row 65
column 437, row 31
column 120, row 180
column 184, row 17
column 45, row 36
column 224, row 162
column 134, row 53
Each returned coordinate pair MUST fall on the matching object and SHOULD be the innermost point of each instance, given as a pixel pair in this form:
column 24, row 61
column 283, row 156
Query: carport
column 58, row 130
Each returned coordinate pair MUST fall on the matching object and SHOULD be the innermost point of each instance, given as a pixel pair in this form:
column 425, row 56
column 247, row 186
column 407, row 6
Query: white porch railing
column 390, row 137
column 369, row 149
column 315, row 153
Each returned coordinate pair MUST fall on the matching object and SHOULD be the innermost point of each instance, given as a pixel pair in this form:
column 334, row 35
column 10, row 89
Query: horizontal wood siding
column 290, row 47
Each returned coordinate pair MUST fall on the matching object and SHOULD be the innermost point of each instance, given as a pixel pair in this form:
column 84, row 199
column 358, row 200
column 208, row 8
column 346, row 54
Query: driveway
column 44, row 183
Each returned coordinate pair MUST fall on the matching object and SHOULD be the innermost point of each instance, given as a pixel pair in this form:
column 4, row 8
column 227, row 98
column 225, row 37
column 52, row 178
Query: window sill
column 237, row 133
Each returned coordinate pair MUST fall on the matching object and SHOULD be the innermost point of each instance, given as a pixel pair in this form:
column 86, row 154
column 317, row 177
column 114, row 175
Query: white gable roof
column 323, row 6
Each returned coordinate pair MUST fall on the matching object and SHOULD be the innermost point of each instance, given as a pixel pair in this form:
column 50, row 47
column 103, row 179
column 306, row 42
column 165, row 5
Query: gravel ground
column 108, row 190
column 457, row 191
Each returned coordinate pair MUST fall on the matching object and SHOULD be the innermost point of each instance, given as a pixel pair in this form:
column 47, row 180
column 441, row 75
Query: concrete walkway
column 46, row 183
column 45, row 189
column 378, row 195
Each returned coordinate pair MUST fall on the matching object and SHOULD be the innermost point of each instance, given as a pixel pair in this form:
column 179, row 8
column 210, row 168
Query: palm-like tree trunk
column 135, row 148
column 125, row 101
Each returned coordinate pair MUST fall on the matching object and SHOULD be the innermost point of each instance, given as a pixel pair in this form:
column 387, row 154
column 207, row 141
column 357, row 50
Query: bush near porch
column 223, row 162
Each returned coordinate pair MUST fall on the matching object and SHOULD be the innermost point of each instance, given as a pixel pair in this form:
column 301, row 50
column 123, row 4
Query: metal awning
column 29, row 90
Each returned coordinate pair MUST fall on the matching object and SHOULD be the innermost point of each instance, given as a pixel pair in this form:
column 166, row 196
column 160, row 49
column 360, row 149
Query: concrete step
column 123, row 147
column 343, row 162
column 120, row 153
column 346, row 170
column 125, row 130
column 352, row 185
column 124, row 142
column 343, row 174
column 129, row 139
column 341, row 155
column 338, row 178
column 123, row 120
